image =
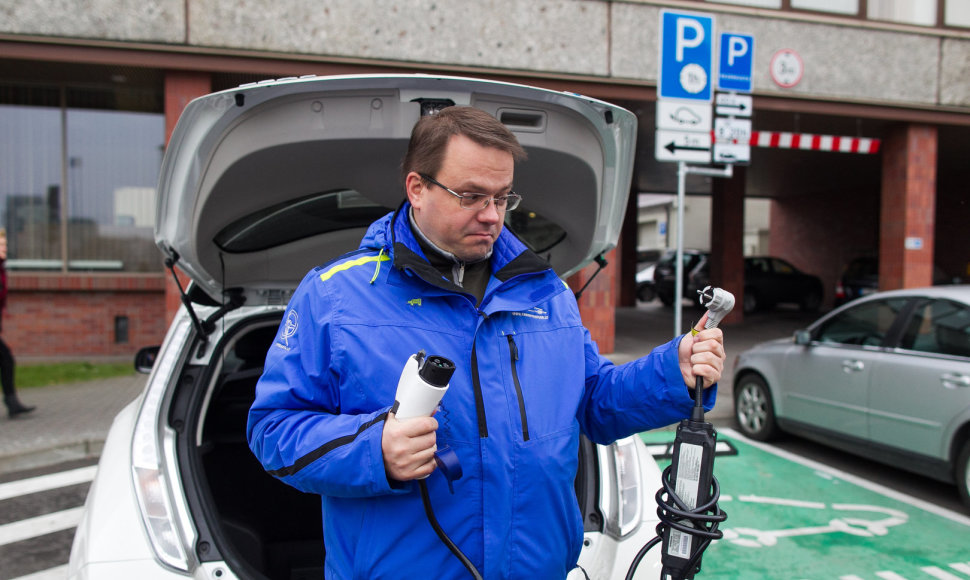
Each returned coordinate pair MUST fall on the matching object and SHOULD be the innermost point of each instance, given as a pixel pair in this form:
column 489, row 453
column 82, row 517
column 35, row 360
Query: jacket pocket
column 514, row 361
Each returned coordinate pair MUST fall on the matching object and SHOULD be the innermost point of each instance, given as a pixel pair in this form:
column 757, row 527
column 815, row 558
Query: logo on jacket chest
column 537, row 313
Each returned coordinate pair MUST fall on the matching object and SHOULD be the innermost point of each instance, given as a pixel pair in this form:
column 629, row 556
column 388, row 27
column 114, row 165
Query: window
column 865, row 325
column 30, row 192
column 921, row 12
column 957, row 13
column 836, row 6
column 113, row 159
column 782, row 267
column 80, row 170
column 758, row 3
column 939, row 327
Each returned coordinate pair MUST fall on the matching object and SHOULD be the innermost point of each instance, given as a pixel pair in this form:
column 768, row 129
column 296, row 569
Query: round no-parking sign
column 786, row 68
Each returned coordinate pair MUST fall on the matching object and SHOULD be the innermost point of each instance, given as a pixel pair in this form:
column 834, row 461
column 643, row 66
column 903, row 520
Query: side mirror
column 145, row 359
column 803, row 337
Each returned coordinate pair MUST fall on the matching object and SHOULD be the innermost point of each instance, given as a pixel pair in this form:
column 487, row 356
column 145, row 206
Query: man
column 440, row 274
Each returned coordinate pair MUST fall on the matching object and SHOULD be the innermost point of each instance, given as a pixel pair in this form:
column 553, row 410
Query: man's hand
column 702, row 355
column 409, row 447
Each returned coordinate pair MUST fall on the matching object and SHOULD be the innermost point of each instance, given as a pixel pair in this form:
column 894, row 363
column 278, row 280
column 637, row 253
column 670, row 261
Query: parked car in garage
column 259, row 185
column 665, row 274
column 768, row 281
column 861, row 277
column 886, row 376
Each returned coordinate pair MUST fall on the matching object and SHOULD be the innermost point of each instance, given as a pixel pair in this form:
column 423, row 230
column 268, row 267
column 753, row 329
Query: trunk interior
column 260, row 527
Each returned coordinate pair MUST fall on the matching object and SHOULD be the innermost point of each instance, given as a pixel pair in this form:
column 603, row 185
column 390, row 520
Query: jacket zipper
column 514, row 356
column 479, row 401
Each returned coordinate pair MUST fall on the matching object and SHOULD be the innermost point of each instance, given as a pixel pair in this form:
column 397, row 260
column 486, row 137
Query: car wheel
column 646, row 293
column 811, row 302
column 750, row 301
column 753, row 408
column 963, row 473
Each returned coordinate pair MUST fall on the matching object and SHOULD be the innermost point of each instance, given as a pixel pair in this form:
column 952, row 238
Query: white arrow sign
column 685, row 146
column 733, row 104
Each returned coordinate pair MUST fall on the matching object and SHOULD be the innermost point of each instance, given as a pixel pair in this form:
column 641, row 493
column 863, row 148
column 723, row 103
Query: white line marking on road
column 47, row 482
column 56, row 573
column 963, row 567
column 853, row 479
column 939, row 574
column 40, row 525
column 889, row 576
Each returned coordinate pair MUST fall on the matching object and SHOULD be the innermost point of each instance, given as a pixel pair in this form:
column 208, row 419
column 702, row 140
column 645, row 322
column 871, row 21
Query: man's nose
column 490, row 213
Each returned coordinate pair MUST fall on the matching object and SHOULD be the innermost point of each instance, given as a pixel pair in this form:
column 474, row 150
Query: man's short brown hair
column 431, row 134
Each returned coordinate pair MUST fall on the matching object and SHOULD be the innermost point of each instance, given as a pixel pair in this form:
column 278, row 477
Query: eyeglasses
column 479, row 201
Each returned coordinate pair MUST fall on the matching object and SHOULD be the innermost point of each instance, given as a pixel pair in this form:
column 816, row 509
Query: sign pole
column 682, row 170
column 679, row 263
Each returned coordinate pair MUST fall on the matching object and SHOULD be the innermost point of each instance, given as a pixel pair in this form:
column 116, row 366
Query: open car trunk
column 263, row 182
column 261, row 527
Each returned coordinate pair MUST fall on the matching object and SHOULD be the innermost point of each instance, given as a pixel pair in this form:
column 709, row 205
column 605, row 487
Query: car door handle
column 952, row 381
column 852, row 366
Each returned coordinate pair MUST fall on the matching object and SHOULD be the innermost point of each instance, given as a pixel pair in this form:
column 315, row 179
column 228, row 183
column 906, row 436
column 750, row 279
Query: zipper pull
column 513, row 348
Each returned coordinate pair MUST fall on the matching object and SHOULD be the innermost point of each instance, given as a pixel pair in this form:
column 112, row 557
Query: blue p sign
column 686, row 56
column 735, row 62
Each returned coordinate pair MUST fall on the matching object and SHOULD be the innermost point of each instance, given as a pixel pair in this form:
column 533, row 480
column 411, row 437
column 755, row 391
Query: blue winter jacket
column 529, row 380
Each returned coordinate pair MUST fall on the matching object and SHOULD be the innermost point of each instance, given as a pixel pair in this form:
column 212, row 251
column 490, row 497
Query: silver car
column 886, row 376
column 259, row 185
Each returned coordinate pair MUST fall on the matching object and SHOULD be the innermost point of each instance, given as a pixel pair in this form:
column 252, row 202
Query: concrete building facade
column 112, row 76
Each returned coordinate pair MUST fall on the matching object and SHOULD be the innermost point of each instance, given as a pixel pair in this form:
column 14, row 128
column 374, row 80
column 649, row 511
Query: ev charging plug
column 422, row 384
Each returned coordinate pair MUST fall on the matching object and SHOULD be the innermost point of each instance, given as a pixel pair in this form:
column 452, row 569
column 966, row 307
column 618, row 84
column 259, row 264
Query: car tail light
column 628, row 476
column 147, row 458
column 839, row 291
column 620, row 488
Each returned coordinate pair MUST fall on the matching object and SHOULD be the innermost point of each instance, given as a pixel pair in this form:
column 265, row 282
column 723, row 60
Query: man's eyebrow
column 471, row 187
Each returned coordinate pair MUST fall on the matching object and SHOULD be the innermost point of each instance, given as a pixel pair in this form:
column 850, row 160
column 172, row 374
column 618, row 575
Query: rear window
column 294, row 220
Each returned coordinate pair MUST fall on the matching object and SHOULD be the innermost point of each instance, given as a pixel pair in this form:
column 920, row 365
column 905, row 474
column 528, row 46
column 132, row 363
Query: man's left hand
column 702, row 355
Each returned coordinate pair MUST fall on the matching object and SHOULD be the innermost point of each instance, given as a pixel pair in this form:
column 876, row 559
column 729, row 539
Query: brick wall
column 908, row 207
column 597, row 306
column 822, row 231
column 72, row 316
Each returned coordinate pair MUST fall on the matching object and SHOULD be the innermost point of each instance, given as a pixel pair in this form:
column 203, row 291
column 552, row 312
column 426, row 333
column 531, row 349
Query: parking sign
column 686, row 56
column 735, row 62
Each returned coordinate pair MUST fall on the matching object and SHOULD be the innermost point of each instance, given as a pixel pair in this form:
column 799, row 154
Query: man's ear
column 414, row 187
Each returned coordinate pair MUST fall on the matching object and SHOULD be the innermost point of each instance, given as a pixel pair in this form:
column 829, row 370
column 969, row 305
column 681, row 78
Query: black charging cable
column 429, row 511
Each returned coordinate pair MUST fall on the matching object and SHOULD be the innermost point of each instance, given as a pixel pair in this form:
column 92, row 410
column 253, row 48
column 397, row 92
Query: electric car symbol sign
column 686, row 56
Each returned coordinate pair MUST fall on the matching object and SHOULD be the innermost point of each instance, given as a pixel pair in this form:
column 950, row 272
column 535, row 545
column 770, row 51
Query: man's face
column 467, row 167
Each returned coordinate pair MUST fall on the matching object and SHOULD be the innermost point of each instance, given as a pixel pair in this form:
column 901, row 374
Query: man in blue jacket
column 441, row 275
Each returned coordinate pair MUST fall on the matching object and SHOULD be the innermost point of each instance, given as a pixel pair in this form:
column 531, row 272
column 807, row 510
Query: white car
column 259, row 185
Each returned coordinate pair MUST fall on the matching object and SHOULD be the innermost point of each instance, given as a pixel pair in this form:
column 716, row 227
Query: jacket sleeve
column 296, row 428
column 638, row 396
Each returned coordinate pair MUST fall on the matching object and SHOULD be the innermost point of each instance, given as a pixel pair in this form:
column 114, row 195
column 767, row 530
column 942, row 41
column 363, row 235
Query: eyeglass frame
column 511, row 199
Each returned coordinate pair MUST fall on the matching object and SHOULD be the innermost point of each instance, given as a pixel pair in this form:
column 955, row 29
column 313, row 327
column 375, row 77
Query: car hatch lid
column 261, row 183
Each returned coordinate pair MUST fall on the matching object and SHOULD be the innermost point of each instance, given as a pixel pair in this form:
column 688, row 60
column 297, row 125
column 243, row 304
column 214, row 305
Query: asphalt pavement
column 71, row 421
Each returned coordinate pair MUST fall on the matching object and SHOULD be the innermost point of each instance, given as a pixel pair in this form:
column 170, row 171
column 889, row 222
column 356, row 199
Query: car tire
column 666, row 300
column 962, row 474
column 754, row 411
column 646, row 293
column 811, row 302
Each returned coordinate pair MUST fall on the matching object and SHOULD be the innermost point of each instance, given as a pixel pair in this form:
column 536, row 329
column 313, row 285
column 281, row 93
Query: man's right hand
column 409, row 447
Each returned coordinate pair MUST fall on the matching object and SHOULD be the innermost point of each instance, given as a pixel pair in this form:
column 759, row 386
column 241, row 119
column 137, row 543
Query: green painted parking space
column 789, row 518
